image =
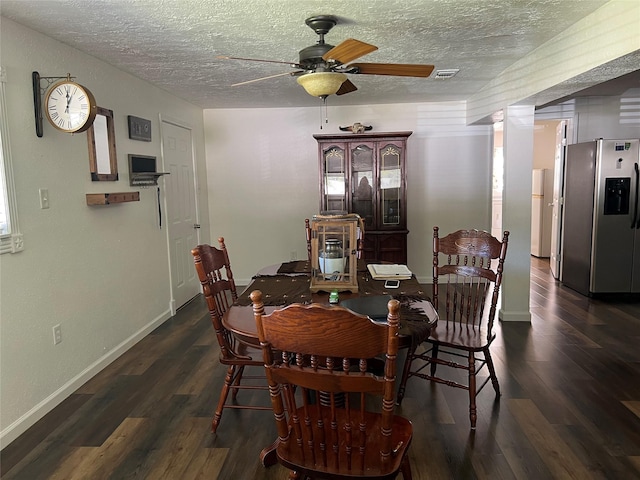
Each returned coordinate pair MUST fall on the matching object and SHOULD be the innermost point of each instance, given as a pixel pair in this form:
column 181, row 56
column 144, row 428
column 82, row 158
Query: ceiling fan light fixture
column 322, row 84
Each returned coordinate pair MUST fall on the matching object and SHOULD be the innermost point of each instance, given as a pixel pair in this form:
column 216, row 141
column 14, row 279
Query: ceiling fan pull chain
column 326, row 110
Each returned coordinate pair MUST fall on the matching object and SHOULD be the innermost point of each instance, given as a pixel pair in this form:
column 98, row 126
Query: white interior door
column 182, row 222
column 558, row 186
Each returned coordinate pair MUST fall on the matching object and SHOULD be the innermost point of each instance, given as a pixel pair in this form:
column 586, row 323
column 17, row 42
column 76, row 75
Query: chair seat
column 244, row 355
column 464, row 337
column 369, row 465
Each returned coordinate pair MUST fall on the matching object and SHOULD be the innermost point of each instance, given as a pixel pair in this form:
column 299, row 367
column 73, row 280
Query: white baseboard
column 22, row 424
column 514, row 316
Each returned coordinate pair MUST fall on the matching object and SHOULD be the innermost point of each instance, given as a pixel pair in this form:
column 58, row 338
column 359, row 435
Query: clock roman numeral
column 54, row 116
column 84, row 106
column 59, row 91
column 60, row 122
column 81, row 97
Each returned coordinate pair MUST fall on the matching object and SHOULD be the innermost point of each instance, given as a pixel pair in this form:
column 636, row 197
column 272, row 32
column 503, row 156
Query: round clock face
column 70, row 107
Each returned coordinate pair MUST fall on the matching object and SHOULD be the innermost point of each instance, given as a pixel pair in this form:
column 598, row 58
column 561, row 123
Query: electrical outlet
column 294, row 255
column 44, row 197
column 57, row 334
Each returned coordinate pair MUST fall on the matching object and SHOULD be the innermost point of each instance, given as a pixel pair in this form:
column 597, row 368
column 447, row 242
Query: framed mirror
column 103, row 163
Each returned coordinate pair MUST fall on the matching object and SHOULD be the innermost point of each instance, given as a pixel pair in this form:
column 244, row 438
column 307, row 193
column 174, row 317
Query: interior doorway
column 549, row 145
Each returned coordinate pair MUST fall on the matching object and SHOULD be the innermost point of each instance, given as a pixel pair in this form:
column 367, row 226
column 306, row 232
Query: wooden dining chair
column 334, row 415
column 214, row 271
column 465, row 294
column 307, row 233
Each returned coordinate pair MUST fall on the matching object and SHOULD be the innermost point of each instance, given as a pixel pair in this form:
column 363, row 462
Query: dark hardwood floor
column 570, row 406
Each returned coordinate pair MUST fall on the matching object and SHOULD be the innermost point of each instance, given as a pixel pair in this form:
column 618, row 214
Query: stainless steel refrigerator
column 601, row 221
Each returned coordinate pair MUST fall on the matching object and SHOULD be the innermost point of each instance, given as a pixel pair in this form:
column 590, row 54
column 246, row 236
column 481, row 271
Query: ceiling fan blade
column 225, row 57
column 349, row 50
column 395, row 69
column 346, row 87
column 264, row 78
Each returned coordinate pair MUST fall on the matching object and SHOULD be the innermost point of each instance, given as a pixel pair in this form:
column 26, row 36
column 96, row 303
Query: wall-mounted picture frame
column 139, row 128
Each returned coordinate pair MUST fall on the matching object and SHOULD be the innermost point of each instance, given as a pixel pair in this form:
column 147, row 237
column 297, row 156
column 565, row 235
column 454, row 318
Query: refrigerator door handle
column 635, row 221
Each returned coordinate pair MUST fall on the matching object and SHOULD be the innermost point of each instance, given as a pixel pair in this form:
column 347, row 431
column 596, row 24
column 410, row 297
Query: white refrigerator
column 541, row 212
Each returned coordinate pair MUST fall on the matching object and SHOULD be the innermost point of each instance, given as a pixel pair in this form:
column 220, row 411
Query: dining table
column 289, row 282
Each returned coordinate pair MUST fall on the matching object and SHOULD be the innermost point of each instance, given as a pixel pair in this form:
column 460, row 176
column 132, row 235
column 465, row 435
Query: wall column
column 516, row 211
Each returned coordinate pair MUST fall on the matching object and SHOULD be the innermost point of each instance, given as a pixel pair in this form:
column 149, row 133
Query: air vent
column 446, row 73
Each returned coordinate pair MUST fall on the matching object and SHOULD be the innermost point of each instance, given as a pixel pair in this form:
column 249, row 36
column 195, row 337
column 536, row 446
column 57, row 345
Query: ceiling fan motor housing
column 311, row 57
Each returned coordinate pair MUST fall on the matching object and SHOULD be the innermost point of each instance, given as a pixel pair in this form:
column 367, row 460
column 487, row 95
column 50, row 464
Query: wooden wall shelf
column 109, row 198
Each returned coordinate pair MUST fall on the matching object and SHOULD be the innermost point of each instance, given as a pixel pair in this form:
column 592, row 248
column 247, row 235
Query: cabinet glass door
column 390, row 186
column 334, row 180
column 362, row 183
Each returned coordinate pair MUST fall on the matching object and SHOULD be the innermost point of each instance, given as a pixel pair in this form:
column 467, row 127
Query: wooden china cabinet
column 365, row 174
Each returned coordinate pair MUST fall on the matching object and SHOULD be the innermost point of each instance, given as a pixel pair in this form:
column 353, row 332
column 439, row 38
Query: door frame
column 571, row 119
column 166, row 119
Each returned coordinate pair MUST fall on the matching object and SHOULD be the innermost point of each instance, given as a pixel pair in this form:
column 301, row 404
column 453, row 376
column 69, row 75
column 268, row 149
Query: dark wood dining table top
column 286, row 283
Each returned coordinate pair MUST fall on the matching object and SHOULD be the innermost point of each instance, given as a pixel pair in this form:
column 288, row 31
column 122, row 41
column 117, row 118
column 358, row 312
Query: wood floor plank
column 206, row 464
column 207, row 367
column 633, row 405
column 176, row 455
column 96, row 462
column 558, row 457
column 32, row 439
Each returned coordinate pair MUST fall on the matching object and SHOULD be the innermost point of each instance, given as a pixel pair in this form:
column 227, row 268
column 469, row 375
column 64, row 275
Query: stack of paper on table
column 389, row 271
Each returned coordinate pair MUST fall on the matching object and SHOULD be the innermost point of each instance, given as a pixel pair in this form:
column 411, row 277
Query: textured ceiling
column 174, row 43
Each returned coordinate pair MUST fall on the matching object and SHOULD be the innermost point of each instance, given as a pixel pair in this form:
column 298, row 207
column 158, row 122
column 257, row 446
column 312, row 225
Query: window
column 10, row 237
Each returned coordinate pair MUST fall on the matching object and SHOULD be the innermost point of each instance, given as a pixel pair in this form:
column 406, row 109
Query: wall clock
column 70, row 107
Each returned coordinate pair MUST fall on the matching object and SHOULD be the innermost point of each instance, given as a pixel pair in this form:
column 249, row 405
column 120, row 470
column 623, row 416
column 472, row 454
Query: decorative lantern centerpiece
column 334, row 252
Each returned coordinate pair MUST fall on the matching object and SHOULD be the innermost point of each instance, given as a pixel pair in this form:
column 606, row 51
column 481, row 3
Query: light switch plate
column 44, row 198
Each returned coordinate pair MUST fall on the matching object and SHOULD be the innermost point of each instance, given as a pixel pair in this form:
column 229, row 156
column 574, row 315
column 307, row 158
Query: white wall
column 609, row 117
column 100, row 272
column 612, row 117
column 262, row 169
column 544, row 144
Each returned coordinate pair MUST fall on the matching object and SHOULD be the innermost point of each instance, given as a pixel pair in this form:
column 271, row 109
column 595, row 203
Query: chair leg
column 434, row 354
column 228, row 379
column 405, row 468
column 405, row 373
column 237, row 381
column 492, row 371
column 472, row 391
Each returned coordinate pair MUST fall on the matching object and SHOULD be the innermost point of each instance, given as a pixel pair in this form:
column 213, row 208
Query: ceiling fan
column 322, row 68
